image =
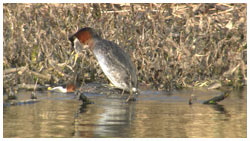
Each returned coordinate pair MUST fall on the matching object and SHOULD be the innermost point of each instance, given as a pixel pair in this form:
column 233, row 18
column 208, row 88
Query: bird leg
column 130, row 91
column 123, row 92
column 130, row 94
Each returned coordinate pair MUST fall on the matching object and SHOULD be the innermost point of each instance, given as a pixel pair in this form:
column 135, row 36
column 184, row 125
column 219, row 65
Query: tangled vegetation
column 172, row 45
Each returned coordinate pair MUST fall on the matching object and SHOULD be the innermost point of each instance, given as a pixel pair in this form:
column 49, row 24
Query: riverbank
column 172, row 45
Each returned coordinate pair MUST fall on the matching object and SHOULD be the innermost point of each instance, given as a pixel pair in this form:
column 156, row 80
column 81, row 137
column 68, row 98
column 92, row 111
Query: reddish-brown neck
column 84, row 36
column 71, row 88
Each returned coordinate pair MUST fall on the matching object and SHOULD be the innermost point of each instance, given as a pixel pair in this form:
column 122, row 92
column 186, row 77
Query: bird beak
column 76, row 47
column 75, row 57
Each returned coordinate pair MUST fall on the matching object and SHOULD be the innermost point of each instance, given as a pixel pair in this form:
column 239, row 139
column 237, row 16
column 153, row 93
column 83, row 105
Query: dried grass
column 172, row 45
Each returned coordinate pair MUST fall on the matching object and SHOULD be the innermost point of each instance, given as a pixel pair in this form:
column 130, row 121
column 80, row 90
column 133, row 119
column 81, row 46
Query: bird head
column 83, row 38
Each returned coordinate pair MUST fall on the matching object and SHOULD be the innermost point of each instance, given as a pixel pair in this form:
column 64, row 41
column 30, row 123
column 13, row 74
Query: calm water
column 154, row 115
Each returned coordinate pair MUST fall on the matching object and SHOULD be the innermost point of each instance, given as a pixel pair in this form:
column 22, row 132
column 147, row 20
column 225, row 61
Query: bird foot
column 130, row 98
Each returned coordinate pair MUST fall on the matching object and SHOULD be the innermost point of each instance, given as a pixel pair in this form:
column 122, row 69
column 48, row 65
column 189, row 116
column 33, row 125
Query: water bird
column 113, row 60
column 68, row 89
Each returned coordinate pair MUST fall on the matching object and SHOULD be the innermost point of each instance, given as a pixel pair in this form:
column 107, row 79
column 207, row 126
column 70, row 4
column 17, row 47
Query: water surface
column 153, row 115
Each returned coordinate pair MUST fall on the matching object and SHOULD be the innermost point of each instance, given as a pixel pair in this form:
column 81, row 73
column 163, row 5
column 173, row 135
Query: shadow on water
column 154, row 114
column 112, row 117
column 220, row 108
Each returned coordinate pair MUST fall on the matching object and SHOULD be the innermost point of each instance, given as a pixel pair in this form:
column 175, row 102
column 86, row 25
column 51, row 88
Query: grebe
column 68, row 89
column 114, row 61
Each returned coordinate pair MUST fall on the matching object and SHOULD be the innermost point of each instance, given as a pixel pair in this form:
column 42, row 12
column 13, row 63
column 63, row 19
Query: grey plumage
column 116, row 64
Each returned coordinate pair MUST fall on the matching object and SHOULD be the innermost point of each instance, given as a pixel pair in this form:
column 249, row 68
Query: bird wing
column 118, row 57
